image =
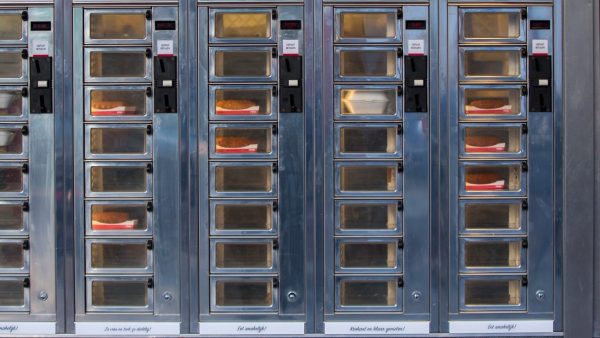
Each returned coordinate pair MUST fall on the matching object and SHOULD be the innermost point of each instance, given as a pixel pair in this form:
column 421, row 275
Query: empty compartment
column 13, row 256
column 11, row 103
column 118, row 25
column 492, row 253
column 493, row 102
column 373, row 178
column 117, row 102
column 371, row 102
column 12, row 64
column 126, row 64
column 118, row 140
column 492, row 292
column 243, row 139
column 369, row 139
column 493, row 216
column 12, row 179
column 242, row 24
column 374, row 293
column 243, row 63
column 368, row 62
column 371, row 24
column 367, row 254
column 368, row 216
column 244, row 292
column 118, row 294
column 240, row 217
column 12, row 217
column 241, row 102
column 504, row 25
column 493, row 177
column 119, row 255
column 11, row 27
column 13, row 294
column 244, row 178
column 12, row 140
column 118, row 216
column 493, row 140
column 243, row 254
column 503, row 64
column 118, row 179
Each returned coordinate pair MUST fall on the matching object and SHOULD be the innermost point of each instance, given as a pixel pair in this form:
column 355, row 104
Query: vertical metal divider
column 596, row 258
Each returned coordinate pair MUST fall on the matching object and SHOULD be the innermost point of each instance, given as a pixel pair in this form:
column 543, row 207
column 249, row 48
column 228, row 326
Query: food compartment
column 493, row 102
column 118, row 65
column 487, row 25
column 493, row 254
column 244, row 293
column 14, row 294
column 247, row 255
column 493, row 140
column 243, row 102
column 368, row 178
column 14, row 179
column 243, row 179
column 492, row 293
column 493, row 216
column 369, row 293
column 368, row 140
column 354, row 102
column 118, row 141
column 502, row 178
column 492, row 63
column 243, row 25
column 367, row 64
column 117, row 26
column 110, row 179
column 119, row 294
column 13, row 105
column 14, row 218
column 243, row 140
column 252, row 217
column 369, row 217
column 13, row 66
column 119, row 256
column 243, row 64
column 119, row 217
column 367, row 25
column 14, row 141
column 368, row 255
column 118, row 103
column 14, row 256
column 13, row 29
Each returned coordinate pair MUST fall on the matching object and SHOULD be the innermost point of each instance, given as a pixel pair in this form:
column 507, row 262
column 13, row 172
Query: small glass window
column 119, row 217
column 368, row 25
column 500, row 216
column 244, row 293
column 492, row 292
column 492, row 101
column 493, row 63
column 118, row 141
column 118, row 179
column 368, row 293
column 230, row 25
column 368, row 255
column 118, row 64
column 368, row 178
column 11, row 26
column 119, row 255
column 12, row 255
column 488, row 25
column 11, row 141
column 119, row 293
column 12, row 293
column 11, row 217
column 243, row 102
column 121, row 102
column 365, row 63
column 236, row 217
column 479, row 254
column 368, row 216
column 243, row 140
column 243, row 63
column 244, row 255
column 118, row 26
column 490, row 178
column 11, row 65
column 243, row 178
column 492, row 140
column 368, row 102
column 11, row 179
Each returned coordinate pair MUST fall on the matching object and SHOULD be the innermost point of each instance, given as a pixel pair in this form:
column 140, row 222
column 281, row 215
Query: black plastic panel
column 40, row 85
column 415, row 79
column 540, row 83
column 165, row 84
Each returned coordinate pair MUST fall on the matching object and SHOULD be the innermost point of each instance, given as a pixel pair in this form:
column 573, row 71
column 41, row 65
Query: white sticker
column 377, row 328
column 291, row 47
column 251, row 328
column 27, row 328
column 501, row 326
column 127, row 328
column 540, row 47
column 41, row 48
column 416, row 47
column 165, row 48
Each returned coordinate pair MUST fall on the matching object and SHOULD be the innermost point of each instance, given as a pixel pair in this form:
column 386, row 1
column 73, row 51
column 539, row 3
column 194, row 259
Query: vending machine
column 374, row 235
column 28, row 234
column 503, row 114
column 126, row 167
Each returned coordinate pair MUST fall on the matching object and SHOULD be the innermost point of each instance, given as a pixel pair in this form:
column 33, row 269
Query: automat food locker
column 251, row 172
column 27, row 172
column 502, row 111
column 126, row 140
column 375, row 113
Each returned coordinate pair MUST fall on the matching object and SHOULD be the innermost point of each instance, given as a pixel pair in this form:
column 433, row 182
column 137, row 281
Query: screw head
column 292, row 296
column 416, row 296
column 540, row 295
column 43, row 296
column 167, row 296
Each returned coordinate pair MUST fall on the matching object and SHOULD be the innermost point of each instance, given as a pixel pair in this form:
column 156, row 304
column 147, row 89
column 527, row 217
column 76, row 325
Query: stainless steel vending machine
column 126, row 161
column 28, row 290
column 251, row 118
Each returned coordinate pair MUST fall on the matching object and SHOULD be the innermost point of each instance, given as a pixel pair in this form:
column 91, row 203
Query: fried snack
column 235, row 104
column 482, row 141
column 107, row 104
column 233, row 141
column 483, row 178
column 490, row 103
column 111, row 216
